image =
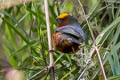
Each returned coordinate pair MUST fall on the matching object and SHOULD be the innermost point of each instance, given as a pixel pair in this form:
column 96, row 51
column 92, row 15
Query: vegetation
column 24, row 38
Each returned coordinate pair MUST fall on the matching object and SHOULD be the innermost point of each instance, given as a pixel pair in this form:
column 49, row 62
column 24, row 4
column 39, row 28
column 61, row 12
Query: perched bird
column 68, row 35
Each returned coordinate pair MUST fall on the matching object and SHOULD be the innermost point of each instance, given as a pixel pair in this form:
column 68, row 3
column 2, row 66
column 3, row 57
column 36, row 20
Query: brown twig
column 51, row 65
column 101, row 64
column 92, row 35
column 95, row 47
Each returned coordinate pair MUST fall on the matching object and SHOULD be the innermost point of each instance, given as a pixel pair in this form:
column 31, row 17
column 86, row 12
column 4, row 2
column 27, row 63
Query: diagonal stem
column 101, row 64
column 92, row 35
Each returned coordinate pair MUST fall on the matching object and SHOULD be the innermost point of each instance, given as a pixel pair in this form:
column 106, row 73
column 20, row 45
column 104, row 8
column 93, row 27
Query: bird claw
column 52, row 50
column 49, row 68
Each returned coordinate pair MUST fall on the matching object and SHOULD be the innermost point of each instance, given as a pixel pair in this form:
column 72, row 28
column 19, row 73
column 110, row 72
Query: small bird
column 68, row 35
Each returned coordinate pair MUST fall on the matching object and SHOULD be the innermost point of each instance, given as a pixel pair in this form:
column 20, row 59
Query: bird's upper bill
column 63, row 15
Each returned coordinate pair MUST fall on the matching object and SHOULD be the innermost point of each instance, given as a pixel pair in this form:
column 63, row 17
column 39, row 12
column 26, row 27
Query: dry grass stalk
column 51, row 65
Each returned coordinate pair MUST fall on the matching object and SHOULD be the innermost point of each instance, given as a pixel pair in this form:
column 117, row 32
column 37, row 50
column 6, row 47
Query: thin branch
column 96, row 48
column 51, row 65
column 86, row 20
column 101, row 64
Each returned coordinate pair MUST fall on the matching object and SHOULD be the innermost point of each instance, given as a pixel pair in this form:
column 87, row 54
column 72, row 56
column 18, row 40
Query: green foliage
column 24, row 35
column 68, row 6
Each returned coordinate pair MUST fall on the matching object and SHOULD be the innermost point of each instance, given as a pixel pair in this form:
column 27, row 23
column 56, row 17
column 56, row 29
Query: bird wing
column 70, row 38
column 72, row 30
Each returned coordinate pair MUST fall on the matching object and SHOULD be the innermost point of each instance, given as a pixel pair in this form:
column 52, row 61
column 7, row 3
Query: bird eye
column 62, row 20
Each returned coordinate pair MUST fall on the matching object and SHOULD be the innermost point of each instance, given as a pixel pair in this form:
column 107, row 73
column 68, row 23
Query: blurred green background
column 24, row 39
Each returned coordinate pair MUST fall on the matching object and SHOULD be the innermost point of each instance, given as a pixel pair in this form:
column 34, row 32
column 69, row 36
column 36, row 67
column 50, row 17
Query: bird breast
column 65, row 43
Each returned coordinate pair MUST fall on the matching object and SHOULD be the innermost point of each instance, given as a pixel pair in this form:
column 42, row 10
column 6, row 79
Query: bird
column 68, row 35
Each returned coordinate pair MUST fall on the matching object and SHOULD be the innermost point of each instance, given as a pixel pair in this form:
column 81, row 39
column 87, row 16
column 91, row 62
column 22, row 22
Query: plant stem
column 90, row 29
column 98, row 53
column 51, row 65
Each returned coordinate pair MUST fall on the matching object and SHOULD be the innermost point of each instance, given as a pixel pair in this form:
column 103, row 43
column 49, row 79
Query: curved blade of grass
column 38, row 15
column 117, row 77
column 22, row 37
column 63, row 78
column 36, row 74
column 116, row 35
column 8, row 15
column 111, row 26
column 58, row 58
column 22, row 18
column 15, row 29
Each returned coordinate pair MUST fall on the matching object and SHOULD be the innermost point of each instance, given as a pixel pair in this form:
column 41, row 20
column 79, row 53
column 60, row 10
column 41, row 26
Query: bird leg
column 52, row 50
column 51, row 70
column 73, row 50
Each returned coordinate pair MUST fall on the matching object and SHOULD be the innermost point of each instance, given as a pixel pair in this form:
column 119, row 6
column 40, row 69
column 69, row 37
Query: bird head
column 65, row 19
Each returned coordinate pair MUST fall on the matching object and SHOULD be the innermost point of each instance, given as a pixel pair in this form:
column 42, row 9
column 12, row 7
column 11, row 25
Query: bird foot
column 52, row 50
column 49, row 68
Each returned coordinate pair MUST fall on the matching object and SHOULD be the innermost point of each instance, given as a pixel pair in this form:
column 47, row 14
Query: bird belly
column 62, row 43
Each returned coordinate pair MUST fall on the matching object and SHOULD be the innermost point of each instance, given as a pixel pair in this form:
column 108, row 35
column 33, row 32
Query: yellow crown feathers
column 63, row 15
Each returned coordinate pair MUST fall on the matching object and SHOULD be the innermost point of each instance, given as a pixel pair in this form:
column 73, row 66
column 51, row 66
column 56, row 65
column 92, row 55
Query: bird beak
column 58, row 20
